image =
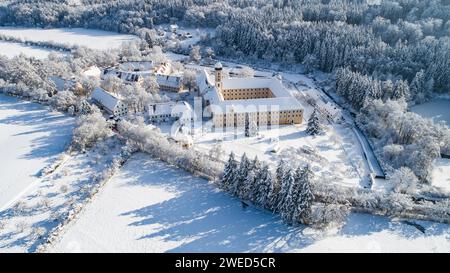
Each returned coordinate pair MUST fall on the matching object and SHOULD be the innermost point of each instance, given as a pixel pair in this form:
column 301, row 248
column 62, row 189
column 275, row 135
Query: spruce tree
column 242, row 173
column 280, row 171
column 288, row 180
column 253, row 179
column 263, row 186
column 401, row 90
column 287, row 204
column 306, row 196
column 314, row 127
column 229, row 173
column 274, row 194
column 275, row 187
column 247, row 126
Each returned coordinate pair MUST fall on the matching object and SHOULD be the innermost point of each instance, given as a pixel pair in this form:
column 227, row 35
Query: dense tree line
column 402, row 138
column 395, row 37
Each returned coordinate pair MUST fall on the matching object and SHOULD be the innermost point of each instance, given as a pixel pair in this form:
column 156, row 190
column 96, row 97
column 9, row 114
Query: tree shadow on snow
column 209, row 219
column 57, row 128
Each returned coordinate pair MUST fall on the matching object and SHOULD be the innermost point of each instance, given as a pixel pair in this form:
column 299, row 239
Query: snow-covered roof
column 204, row 81
column 218, row 65
column 169, row 80
column 133, row 71
column 245, row 83
column 105, row 98
column 282, row 100
column 256, row 105
column 170, row 108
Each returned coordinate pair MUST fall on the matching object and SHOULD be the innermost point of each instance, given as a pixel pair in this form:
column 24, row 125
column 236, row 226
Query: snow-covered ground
column 438, row 110
column 333, row 156
column 152, row 207
column 441, row 174
column 54, row 199
column 31, row 138
column 10, row 50
column 95, row 39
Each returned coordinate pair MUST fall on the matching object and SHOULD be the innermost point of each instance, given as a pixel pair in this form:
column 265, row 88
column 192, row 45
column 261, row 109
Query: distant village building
column 170, row 83
column 233, row 102
column 173, row 110
column 137, row 72
column 110, row 103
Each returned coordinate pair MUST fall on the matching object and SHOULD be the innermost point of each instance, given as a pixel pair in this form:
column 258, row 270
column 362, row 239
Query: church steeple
column 218, row 71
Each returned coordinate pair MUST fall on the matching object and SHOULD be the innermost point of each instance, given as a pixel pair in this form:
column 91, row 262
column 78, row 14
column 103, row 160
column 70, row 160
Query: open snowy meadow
column 95, row 39
column 152, row 207
column 31, row 138
column 10, row 50
column 438, row 110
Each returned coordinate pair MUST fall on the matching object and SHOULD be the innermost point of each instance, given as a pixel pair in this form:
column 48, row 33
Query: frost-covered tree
column 286, row 183
column 242, row 172
column 263, row 187
column 246, row 72
column 209, row 53
column 229, row 175
column 404, row 180
column 90, row 129
column 401, row 90
column 195, row 54
column 157, row 55
column 189, row 79
column 64, row 100
column 305, row 197
column 150, row 85
column 112, row 84
column 253, row 177
column 314, row 126
column 216, row 152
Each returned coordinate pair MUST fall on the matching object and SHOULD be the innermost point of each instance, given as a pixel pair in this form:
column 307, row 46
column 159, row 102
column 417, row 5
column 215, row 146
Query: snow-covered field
column 95, row 39
column 438, row 110
column 151, row 207
column 441, row 174
column 31, row 138
column 10, row 50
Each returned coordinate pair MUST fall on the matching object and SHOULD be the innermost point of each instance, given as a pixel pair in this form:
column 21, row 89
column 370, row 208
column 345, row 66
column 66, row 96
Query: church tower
column 219, row 75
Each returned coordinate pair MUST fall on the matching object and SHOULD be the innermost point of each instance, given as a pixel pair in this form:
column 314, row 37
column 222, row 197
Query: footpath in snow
column 152, row 207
